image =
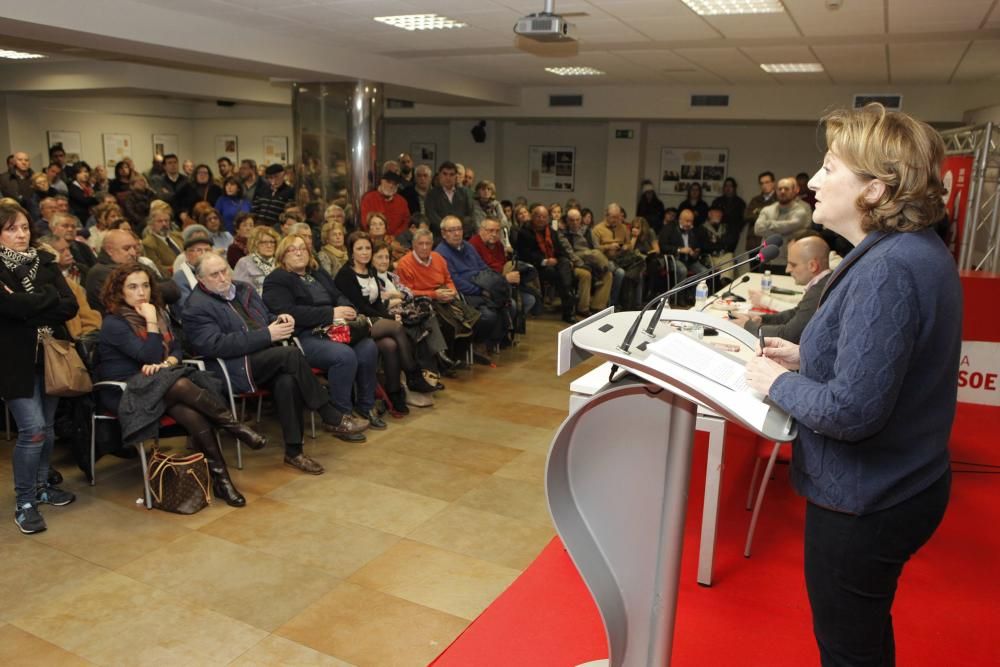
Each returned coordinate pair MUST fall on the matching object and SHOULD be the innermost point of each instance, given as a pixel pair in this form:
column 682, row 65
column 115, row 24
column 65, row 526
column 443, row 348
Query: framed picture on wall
column 227, row 145
column 552, row 168
column 424, row 153
column 165, row 144
column 117, row 147
column 69, row 141
column 275, row 150
column 682, row 167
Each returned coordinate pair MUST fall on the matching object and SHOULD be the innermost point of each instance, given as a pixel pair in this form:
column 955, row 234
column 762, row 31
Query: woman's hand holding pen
column 775, row 356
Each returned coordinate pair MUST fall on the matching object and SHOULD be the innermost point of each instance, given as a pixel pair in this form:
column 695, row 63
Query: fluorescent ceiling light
column 574, row 71
column 791, row 68
column 413, row 22
column 725, row 7
column 19, row 55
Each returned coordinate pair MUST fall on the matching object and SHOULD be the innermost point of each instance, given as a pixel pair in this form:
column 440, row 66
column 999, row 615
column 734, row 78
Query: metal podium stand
column 617, row 479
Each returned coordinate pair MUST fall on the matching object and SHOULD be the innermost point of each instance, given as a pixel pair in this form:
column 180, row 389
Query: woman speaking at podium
column 875, row 388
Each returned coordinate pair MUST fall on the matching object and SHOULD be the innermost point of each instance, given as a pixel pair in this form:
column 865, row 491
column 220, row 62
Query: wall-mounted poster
column 680, row 167
column 165, row 144
column 117, row 147
column 423, row 153
column 552, row 168
column 70, row 142
column 275, row 150
column 226, row 146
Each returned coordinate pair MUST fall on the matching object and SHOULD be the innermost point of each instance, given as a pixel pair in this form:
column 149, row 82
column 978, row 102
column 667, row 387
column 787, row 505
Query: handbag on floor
column 65, row 373
column 179, row 484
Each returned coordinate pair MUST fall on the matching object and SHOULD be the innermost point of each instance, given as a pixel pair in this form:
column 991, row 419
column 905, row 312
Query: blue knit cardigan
column 876, row 391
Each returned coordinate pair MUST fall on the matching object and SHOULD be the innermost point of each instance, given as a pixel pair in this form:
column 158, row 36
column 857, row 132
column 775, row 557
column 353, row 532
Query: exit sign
column 624, row 134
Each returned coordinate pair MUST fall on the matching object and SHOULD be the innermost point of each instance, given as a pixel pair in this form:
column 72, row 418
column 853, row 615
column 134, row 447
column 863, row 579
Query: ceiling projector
column 544, row 27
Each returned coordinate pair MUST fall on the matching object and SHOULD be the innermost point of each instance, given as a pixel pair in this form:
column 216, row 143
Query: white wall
column 399, row 135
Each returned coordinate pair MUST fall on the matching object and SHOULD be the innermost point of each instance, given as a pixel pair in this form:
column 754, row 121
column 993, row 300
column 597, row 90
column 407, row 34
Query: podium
column 618, row 469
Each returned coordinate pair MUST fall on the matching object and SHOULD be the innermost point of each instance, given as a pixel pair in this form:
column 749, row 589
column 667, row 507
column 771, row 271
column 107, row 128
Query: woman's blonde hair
column 257, row 234
column 160, row 206
column 327, row 228
column 285, row 244
column 903, row 153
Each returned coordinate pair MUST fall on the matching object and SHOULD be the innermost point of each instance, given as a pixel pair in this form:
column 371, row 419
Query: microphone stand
column 661, row 300
column 729, row 292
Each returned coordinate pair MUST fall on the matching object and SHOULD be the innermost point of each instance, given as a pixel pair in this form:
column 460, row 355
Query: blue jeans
column 345, row 365
column 35, row 437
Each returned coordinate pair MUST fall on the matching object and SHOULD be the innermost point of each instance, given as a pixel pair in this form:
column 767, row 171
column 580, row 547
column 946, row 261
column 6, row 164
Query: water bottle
column 765, row 283
column 700, row 295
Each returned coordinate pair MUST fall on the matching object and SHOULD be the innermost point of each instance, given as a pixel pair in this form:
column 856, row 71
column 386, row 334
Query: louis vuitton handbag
column 179, row 484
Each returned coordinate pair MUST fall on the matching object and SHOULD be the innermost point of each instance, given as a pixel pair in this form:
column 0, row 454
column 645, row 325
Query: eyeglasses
column 267, row 242
column 449, row 230
column 297, row 249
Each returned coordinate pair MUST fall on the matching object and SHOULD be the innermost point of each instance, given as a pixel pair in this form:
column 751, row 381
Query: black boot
column 398, row 400
column 222, row 486
column 445, row 362
column 219, row 414
column 415, row 382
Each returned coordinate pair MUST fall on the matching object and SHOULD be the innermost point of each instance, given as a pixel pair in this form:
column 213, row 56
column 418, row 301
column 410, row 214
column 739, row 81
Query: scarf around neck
column 138, row 325
column 24, row 265
column 265, row 265
column 544, row 240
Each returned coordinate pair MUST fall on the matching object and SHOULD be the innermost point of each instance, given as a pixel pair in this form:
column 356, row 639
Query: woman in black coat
column 357, row 281
column 34, row 299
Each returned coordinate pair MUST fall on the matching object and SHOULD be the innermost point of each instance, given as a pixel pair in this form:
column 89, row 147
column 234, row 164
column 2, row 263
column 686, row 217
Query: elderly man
column 194, row 249
column 465, row 266
column 717, row 241
column 416, row 194
column 190, row 232
column 16, row 183
column 809, row 265
column 47, row 209
column 487, row 243
column 384, row 200
column 65, row 226
column 594, row 279
column 542, row 247
column 787, row 216
column 119, row 247
column 680, row 240
column 449, row 198
column 87, row 319
column 613, row 237
column 227, row 323
column 272, row 197
column 161, row 245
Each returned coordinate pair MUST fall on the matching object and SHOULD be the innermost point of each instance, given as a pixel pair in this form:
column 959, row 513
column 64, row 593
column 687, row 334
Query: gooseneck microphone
column 766, row 254
column 728, row 294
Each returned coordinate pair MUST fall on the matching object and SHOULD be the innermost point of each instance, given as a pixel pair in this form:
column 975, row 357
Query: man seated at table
column 227, row 320
column 809, row 265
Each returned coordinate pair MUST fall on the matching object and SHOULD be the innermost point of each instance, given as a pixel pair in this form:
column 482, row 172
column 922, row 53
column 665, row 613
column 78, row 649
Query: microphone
column 768, row 253
column 728, row 294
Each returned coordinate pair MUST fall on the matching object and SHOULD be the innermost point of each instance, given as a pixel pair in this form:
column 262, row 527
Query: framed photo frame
column 275, row 150
column 117, row 147
column 552, row 168
column 165, row 144
column 681, row 167
column 424, row 153
column 227, row 145
column 68, row 140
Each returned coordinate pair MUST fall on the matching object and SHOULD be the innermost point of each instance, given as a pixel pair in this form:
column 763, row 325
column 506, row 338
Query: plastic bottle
column 700, row 297
column 765, row 283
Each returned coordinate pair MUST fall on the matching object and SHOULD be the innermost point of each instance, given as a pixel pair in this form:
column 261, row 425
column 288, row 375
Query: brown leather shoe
column 305, row 464
column 348, row 425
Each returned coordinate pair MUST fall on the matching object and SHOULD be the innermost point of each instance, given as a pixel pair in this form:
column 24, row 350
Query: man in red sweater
column 487, row 244
column 424, row 271
column 385, row 201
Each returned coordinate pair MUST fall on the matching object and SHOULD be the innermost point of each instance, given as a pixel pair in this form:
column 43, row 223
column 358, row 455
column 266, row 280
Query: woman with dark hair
column 650, row 207
column 122, row 182
column 359, row 282
column 34, row 301
column 137, row 342
column 872, row 381
column 81, row 193
column 378, row 233
column 298, row 287
column 136, row 202
column 202, row 189
column 209, row 218
column 733, row 207
column 238, row 248
column 695, row 203
column 231, row 203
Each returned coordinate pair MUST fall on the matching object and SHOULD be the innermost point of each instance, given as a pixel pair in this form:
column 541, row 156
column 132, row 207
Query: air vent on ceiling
column 565, row 100
column 393, row 103
column 710, row 100
column 889, row 101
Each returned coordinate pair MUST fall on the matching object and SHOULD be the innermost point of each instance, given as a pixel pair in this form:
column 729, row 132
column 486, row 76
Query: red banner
column 956, row 173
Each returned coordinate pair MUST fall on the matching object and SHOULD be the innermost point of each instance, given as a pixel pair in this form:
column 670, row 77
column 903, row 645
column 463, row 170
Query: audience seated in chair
column 541, row 247
column 121, row 247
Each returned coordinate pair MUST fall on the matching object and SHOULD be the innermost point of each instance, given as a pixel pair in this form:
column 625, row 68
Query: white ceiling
column 639, row 41
column 650, row 41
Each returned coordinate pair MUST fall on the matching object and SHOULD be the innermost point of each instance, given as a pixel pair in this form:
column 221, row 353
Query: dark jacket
column 437, row 207
column 98, row 275
column 700, row 209
column 21, row 313
column 11, row 185
column 671, row 239
column 528, row 250
column 285, row 292
column 214, row 329
column 268, row 204
column 135, row 208
column 80, row 202
column 122, row 353
column 716, row 243
column 652, row 210
column 789, row 324
column 347, row 282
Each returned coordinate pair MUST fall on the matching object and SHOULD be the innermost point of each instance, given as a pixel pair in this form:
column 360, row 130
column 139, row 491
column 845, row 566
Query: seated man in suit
column 680, row 241
column 159, row 243
column 120, row 247
column 227, row 320
column 809, row 265
column 541, row 246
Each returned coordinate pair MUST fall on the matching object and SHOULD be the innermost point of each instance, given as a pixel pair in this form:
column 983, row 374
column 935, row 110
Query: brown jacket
column 157, row 250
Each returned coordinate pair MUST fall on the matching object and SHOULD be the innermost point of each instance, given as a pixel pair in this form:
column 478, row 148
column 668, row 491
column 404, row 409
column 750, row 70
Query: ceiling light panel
column 791, row 68
column 413, row 22
column 729, row 7
column 19, row 55
column 574, row 71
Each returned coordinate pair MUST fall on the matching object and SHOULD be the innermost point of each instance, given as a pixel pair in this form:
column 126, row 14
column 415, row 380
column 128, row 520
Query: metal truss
column 980, row 242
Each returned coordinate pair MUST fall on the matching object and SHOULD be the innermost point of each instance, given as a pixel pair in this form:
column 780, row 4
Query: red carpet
column 757, row 613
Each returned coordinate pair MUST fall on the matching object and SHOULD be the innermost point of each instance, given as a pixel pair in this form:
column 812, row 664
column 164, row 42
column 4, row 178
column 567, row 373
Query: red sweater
column 494, row 257
column 423, row 280
column 395, row 210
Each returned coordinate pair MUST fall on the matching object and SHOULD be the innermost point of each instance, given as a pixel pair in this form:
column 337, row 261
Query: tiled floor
column 382, row 561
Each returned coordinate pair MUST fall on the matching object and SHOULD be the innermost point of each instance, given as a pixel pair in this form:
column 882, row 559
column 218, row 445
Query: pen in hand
column 760, row 336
